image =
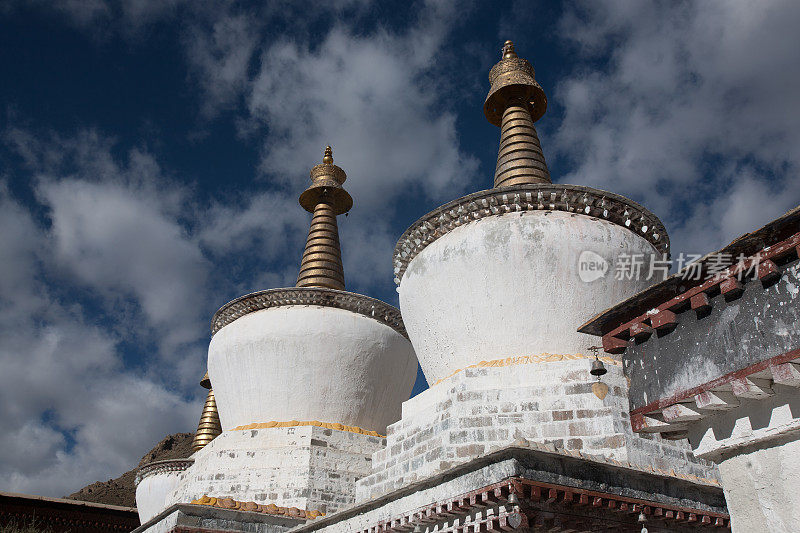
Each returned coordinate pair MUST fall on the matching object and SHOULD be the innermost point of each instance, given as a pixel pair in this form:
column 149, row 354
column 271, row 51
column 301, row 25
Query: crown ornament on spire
column 326, row 185
column 327, row 157
column 515, row 101
column 508, row 50
column 325, row 198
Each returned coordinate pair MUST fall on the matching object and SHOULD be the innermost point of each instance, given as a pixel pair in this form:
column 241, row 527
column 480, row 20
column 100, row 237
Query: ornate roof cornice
column 160, row 467
column 349, row 301
column 529, row 197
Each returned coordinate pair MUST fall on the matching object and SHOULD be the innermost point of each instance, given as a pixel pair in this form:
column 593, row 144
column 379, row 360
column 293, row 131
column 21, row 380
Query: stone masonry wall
column 307, row 467
column 479, row 409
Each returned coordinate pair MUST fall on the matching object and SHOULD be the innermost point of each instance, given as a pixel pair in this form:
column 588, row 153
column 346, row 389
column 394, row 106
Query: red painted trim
column 700, row 301
column 722, row 380
column 769, row 253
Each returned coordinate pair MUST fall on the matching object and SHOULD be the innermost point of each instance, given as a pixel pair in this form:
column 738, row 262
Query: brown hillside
column 121, row 491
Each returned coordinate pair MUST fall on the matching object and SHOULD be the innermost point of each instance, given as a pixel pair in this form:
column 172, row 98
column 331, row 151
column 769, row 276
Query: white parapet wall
column 309, row 467
column 757, row 448
column 310, row 363
column 510, row 285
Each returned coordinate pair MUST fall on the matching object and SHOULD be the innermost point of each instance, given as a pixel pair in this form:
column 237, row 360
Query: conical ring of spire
column 515, row 101
column 325, row 199
column 209, row 426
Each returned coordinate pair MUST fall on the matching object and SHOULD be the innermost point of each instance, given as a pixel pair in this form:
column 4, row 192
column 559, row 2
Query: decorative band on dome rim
column 315, row 423
column 348, row 301
column 576, row 199
column 161, row 467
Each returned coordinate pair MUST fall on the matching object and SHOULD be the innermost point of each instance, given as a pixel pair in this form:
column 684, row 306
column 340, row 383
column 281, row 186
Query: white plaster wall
column 508, row 285
column 757, row 449
column 310, row 363
column 152, row 492
column 761, row 488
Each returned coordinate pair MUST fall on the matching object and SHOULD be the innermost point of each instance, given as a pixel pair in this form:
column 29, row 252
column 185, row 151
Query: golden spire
column 514, row 103
column 209, row 426
column 325, row 198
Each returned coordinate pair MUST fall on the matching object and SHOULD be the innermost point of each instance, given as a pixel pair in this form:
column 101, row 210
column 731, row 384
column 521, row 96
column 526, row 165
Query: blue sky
column 152, row 152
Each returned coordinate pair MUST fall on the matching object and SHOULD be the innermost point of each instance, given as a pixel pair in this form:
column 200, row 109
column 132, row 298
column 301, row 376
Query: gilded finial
column 321, row 265
column 515, row 101
column 508, row 50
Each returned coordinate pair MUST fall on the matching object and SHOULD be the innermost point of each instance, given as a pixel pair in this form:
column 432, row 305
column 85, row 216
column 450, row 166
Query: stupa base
column 545, row 399
column 187, row 517
column 308, row 468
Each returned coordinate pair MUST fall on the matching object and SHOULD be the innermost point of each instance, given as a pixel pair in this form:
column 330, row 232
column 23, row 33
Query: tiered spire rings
column 209, row 426
column 514, row 103
column 325, row 198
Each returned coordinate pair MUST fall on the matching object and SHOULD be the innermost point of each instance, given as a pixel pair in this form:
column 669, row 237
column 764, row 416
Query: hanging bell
column 598, row 368
column 513, row 499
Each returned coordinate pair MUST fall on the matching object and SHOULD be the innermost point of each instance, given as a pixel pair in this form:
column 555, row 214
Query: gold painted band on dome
column 528, row 359
column 317, row 423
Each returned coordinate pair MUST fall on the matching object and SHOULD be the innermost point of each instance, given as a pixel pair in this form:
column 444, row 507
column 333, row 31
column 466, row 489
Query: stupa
column 305, row 381
column 156, row 481
column 493, row 287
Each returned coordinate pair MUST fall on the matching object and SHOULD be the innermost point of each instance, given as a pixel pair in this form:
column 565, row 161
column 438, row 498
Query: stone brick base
column 307, row 467
column 480, row 409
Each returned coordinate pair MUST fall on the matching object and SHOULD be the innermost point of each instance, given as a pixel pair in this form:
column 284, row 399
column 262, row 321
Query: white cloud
column 259, row 226
column 114, row 231
column 62, row 376
column 367, row 97
column 694, row 112
column 118, row 241
column 220, row 55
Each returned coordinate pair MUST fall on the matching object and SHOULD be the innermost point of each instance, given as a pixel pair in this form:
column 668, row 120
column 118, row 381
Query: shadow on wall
column 759, row 412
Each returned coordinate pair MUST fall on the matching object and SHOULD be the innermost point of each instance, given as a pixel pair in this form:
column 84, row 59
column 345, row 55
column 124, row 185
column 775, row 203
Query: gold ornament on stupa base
column 599, row 389
column 515, row 101
column 325, row 198
column 209, row 426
